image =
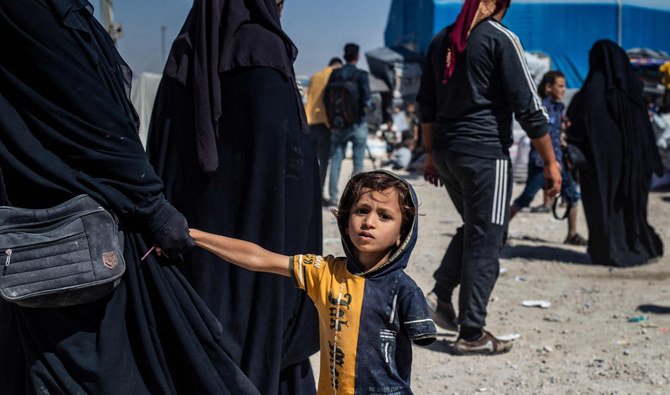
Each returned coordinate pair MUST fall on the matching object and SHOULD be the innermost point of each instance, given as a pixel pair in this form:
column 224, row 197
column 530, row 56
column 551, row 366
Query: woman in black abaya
column 67, row 128
column 229, row 139
column 611, row 126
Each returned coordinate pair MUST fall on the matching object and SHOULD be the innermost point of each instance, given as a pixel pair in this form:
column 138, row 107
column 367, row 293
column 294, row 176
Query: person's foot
column 487, row 344
column 328, row 203
column 442, row 313
column 576, row 240
column 540, row 209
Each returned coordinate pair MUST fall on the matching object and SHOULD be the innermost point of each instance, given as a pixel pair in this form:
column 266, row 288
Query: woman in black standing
column 67, row 127
column 229, row 138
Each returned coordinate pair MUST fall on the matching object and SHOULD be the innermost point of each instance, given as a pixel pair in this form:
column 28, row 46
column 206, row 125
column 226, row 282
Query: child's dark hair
column 378, row 182
column 549, row 78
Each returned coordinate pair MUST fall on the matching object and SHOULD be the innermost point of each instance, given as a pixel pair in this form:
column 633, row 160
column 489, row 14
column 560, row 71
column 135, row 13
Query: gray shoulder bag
column 60, row 256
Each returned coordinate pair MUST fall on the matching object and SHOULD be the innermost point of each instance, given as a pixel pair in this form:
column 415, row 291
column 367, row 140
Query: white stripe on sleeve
column 520, row 54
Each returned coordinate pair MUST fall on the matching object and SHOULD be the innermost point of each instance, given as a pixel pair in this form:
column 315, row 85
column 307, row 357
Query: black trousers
column 481, row 190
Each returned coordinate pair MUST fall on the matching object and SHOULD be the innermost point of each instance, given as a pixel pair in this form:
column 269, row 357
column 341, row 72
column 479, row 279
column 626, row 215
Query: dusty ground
column 582, row 344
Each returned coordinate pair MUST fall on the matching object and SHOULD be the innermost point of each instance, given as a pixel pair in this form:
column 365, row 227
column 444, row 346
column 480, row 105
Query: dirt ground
column 582, row 344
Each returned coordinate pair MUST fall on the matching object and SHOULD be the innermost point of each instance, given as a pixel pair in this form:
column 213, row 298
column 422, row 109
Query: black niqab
column 220, row 35
column 611, row 125
column 67, row 127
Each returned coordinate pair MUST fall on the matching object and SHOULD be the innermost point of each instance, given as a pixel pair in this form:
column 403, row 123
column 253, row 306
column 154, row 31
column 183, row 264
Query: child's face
column 374, row 226
column 556, row 90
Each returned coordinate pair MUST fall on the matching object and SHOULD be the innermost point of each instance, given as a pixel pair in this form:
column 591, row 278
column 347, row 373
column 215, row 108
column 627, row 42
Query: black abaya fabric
column 610, row 124
column 218, row 36
column 264, row 190
column 228, row 138
column 66, row 128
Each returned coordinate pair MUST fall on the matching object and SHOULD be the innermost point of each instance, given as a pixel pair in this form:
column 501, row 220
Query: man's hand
column 552, row 178
column 430, row 173
column 552, row 170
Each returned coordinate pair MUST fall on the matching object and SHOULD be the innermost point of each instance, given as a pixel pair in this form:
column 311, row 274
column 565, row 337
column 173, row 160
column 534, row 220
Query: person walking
column 466, row 101
column 610, row 125
column 317, row 117
column 552, row 90
column 347, row 99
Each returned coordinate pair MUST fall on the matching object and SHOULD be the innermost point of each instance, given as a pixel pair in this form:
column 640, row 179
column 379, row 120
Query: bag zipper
column 10, row 251
column 57, row 222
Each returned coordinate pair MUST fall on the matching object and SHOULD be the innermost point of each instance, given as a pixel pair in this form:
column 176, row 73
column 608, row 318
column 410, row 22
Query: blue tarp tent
column 563, row 29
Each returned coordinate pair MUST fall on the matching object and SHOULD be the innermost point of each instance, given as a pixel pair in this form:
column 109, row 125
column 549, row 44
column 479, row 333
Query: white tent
column 142, row 95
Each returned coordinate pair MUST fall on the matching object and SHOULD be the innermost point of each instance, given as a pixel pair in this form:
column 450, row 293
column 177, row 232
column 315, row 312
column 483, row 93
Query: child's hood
column 400, row 257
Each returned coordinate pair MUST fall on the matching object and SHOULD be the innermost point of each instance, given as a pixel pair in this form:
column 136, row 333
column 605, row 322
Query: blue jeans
column 339, row 138
column 535, row 182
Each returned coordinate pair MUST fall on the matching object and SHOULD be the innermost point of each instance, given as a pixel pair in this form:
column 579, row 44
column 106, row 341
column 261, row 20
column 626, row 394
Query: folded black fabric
column 67, row 127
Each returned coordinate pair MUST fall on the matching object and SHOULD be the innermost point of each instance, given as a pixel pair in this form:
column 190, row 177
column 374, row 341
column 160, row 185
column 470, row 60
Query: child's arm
column 242, row 253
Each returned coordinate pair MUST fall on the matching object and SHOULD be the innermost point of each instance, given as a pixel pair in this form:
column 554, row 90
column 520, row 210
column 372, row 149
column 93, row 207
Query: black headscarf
column 623, row 91
column 220, row 35
column 611, row 125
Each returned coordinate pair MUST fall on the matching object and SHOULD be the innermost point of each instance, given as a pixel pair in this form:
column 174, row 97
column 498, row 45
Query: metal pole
column 619, row 22
column 114, row 29
column 163, row 43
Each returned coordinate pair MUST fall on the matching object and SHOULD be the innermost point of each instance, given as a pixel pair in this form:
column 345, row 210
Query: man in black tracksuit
column 467, row 126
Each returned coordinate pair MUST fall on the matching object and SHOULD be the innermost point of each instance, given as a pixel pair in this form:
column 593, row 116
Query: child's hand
column 564, row 140
column 195, row 234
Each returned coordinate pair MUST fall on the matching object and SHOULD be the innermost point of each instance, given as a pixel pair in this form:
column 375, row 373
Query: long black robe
column 228, row 138
column 609, row 123
column 67, row 127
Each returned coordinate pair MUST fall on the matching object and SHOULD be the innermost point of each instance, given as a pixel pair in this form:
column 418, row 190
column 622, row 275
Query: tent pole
column 619, row 22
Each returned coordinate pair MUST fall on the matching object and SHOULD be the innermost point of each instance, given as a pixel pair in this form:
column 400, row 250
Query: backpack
column 342, row 101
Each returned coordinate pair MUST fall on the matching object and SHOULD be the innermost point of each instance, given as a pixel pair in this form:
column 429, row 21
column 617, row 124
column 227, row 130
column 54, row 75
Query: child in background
column 401, row 156
column 552, row 90
column 369, row 309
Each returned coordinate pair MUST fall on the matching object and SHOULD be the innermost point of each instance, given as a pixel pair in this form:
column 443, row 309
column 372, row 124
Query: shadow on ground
column 654, row 309
column 444, row 346
column 447, row 347
column 545, row 253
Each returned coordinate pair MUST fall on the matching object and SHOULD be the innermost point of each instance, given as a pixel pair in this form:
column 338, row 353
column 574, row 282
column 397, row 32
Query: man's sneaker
column 540, row 209
column 485, row 345
column 442, row 313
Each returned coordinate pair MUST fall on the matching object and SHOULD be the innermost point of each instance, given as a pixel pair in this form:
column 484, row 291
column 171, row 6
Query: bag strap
column 554, row 206
column 4, row 199
column 554, row 209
